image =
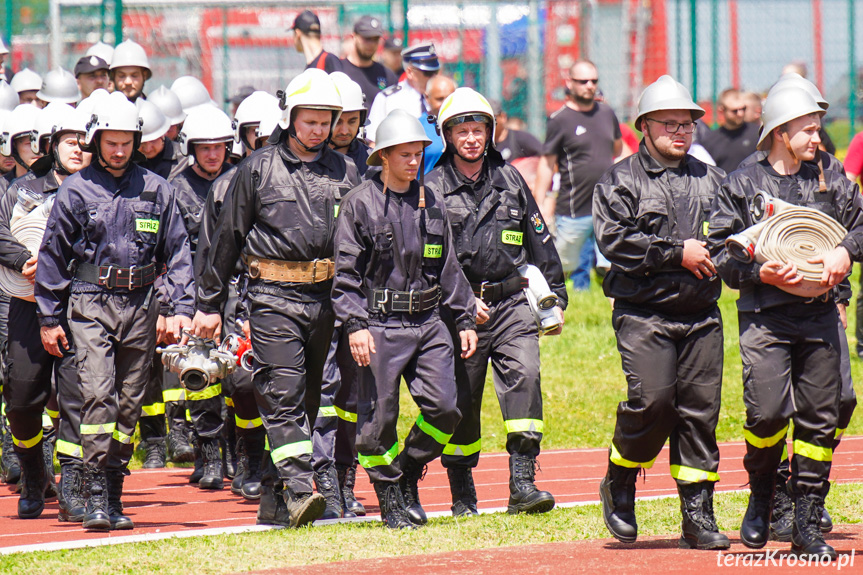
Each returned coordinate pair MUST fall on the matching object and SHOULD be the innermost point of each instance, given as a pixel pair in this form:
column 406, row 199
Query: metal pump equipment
column 199, row 363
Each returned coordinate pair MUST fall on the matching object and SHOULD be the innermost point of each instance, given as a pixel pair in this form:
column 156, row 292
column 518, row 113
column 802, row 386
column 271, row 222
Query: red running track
column 162, row 503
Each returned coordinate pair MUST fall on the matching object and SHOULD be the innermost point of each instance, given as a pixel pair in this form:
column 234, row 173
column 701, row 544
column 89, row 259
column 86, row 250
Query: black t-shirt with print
column 518, row 144
column 372, row 79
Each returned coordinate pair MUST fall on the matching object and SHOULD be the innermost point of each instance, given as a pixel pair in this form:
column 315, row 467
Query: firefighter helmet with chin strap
column 399, row 127
column 781, row 107
column 19, row 123
column 666, row 93
column 154, row 124
column 252, row 111
column 130, row 53
column 353, row 99
column 795, row 80
column 50, row 116
column 65, row 120
column 312, row 89
column 26, row 80
column 169, row 104
column 205, row 125
column 113, row 113
column 465, row 105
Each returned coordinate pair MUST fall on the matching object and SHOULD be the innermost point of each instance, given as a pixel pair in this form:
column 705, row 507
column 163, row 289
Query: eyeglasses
column 673, row 127
column 595, row 81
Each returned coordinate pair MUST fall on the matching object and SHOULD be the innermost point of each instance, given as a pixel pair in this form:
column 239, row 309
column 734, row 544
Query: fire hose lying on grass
column 27, row 224
column 788, row 233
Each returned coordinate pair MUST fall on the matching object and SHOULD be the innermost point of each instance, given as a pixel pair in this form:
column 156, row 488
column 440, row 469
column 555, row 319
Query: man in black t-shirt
column 307, row 39
column 582, row 139
column 735, row 139
column 360, row 65
column 512, row 144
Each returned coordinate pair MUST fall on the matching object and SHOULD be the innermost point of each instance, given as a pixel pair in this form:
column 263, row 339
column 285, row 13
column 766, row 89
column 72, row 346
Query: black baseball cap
column 307, row 21
column 243, row 93
column 369, row 27
column 87, row 64
column 393, row 44
column 422, row 57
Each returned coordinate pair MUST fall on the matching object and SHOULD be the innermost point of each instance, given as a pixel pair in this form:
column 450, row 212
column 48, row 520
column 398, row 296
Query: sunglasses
column 595, row 81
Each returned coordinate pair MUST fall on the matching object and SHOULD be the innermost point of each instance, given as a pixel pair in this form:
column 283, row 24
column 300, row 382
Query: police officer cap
column 393, row 44
column 369, row 27
column 307, row 21
column 87, row 64
column 422, row 57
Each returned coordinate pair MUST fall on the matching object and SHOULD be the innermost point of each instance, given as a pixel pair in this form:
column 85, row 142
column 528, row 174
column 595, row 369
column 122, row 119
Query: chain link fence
column 515, row 51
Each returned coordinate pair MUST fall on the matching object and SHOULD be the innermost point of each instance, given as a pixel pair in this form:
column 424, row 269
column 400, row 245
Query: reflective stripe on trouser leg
column 326, row 423
column 674, row 374
column 346, row 405
column 770, row 343
column 205, row 410
column 290, row 339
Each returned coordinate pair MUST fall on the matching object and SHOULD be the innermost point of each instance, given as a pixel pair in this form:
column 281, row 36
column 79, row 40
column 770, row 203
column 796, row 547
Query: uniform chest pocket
column 433, row 244
column 146, row 222
column 279, row 208
column 383, row 240
column 508, row 229
column 652, row 216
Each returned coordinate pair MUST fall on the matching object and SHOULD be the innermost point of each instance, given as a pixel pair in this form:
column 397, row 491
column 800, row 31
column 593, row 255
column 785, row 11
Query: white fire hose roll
column 28, row 228
column 793, row 235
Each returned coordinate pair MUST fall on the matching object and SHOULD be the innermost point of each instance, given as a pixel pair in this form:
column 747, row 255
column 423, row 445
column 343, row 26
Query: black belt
column 116, row 277
column 413, row 301
column 495, row 291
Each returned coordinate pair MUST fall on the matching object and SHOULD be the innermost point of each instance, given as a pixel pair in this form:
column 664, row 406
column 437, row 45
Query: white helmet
column 795, row 80
column 252, row 111
column 19, row 123
column 168, row 103
column 465, row 105
column 59, row 85
column 50, row 116
column 205, row 125
column 101, row 50
column 87, row 106
column 114, row 112
column 130, row 53
column 353, row 99
column 26, row 80
column 154, row 124
column 781, row 107
column 191, row 92
column 314, row 89
column 666, row 93
column 269, row 123
column 8, row 96
column 399, row 127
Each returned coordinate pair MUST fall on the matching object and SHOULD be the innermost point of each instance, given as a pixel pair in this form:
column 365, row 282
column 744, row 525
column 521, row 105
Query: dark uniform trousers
column 847, row 397
column 116, row 335
column 791, row 367
column 346, row 402
column 673, row 370
column 291, row 331
column 325, row 433
column 238, row 389
column 30, row 387
column 511, row 341
column 419, row 348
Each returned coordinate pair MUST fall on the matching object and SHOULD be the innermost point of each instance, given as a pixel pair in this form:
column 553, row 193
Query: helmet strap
column 422, row 201
column 59, row 167
column 293, row 134
column 789, row 148
column 822, row 184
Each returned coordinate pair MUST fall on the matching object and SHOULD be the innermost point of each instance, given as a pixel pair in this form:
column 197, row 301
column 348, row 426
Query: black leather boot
column 806, row 536
column 213, row 476
column 412, row 474
column 303, row 508
column 114, row 483
column 33, row 481
column 754, row 530
column 242, row 468
column 392, row 504
column 617, row 493
column 72, row 498
column 97, row 517
column 463, row 491
column 524, row 497
column 347, row 479
column 327, row 484
column 782, row 514
column 179, row 450
column 10, row 467
column 253, row 444
column 699, row 524
column 48, row 439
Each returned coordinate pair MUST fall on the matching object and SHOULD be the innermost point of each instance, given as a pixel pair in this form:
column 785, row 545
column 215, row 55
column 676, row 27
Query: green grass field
column 582, row 383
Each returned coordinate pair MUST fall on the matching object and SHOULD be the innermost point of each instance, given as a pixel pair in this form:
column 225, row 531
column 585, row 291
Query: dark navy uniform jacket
column 102, row 220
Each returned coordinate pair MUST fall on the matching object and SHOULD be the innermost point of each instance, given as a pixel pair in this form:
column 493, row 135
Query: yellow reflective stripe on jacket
column 375, row 460
column 327, row 411
column 693, row 475
column 98, row 428
column 122, row 437
column 69, row 448
column 207, row 393
column 812, row 451
column 522, row 425
column 346, row 415
column 431, row 430
column 784, row 450
column 247, row 423
column 465, row 450
column 764, row 442
column 27, row 443
column 52, row 414
column 618, row 459
column 229, row 402
column 291, row 450
column 177, row 394
column 154, row 409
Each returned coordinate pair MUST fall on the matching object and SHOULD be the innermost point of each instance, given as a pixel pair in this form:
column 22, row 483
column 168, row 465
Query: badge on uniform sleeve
column 537, row 223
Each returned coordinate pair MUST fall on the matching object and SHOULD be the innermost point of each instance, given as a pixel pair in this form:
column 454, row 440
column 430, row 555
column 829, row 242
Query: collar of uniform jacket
column 107, row 180
column 325, row 157
column 491, row 165
column 652, row 166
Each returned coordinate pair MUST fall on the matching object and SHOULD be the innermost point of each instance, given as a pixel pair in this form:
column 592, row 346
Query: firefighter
column 163, row 155
column 206, row 136
column 249, row 114
column 789, row 344
column 279, row 216
column 346, row 134
column 130, row 69
column 497, row 228
column 649, row 213
column 15, row 140
column 169, row 104
column 31, row 367
column 113, row 227
column 396, row 268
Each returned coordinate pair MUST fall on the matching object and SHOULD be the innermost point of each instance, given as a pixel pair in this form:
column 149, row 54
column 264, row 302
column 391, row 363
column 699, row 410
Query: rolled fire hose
column 788, row 233
column 28, row 228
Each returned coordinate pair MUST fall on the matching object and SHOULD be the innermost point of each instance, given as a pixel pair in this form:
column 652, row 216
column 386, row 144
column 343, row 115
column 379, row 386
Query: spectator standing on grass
column 649, row 212
column 582, row 139
column 735, row 138
column 307, row 40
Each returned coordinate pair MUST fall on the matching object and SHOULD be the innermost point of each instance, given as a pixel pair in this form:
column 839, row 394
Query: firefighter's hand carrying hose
column 28, row 227
column 801, row 238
